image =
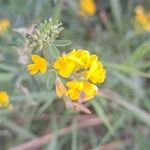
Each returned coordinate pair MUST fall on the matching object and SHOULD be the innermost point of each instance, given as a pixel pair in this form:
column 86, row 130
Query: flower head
column 64, row 66
column 84, row 70
column 45, row 34
column 4, row 25
column 87, row 7
column 4, row 100
column 80, row 58
column 96, row 73
column 40, row 64
column 80, row 62
column 75, row 88
column 81, row 90
column 142, row 17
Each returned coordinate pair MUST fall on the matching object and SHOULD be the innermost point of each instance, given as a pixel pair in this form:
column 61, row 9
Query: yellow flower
column 83, row 68
column 82, row 63
column 142, row 18
column 139, row 9
column 87, row 7
column 80, row 57
column 4, row 100
column 71, row 62
column 4, row 25
column 75, row 88
column 89, row 89
column 96, row 73
column 40, row 64
column 64, row 66
column 81, row 90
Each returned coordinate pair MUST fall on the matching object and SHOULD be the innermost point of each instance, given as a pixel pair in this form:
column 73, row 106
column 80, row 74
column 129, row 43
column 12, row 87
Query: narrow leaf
column 61, row 43
column 102, row 116
column 53, row 51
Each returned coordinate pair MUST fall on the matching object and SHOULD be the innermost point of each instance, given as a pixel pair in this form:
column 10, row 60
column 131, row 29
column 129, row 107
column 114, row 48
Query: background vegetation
column 120, row 114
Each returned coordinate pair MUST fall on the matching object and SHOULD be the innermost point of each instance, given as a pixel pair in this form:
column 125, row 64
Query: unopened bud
column 60, row 88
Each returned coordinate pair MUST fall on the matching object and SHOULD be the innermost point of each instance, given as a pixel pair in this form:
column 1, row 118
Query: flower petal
column 32, row 68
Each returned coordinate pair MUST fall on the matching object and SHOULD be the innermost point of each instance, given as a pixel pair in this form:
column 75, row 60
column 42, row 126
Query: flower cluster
column 4, row 100
column 4, row 25
column 84, row 69
column 81, row 71
column 87, row 7
column 44, row 34
column 142, row 17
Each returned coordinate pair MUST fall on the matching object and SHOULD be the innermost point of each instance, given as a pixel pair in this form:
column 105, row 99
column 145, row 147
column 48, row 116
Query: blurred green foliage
column 125, row 54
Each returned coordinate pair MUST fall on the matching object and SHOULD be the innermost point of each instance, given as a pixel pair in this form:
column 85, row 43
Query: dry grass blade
column 115, row 145
column 39, row 141
column 141, row 114
column 110, row 146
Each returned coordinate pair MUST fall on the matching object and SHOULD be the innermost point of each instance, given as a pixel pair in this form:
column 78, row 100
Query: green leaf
column 50, row 78
column 141, row 51
column 116, row 125
column 116, row 11
column 61, row 43
column 74, row 136
column 57, row 11
column 102, row 116
column 53, row 51
column 6, row 77
column 140, row 113
column 129, row 69
column 19, row 130
column 53, row 143
column 39, row 96
column 8, row 67
column 46, row 105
